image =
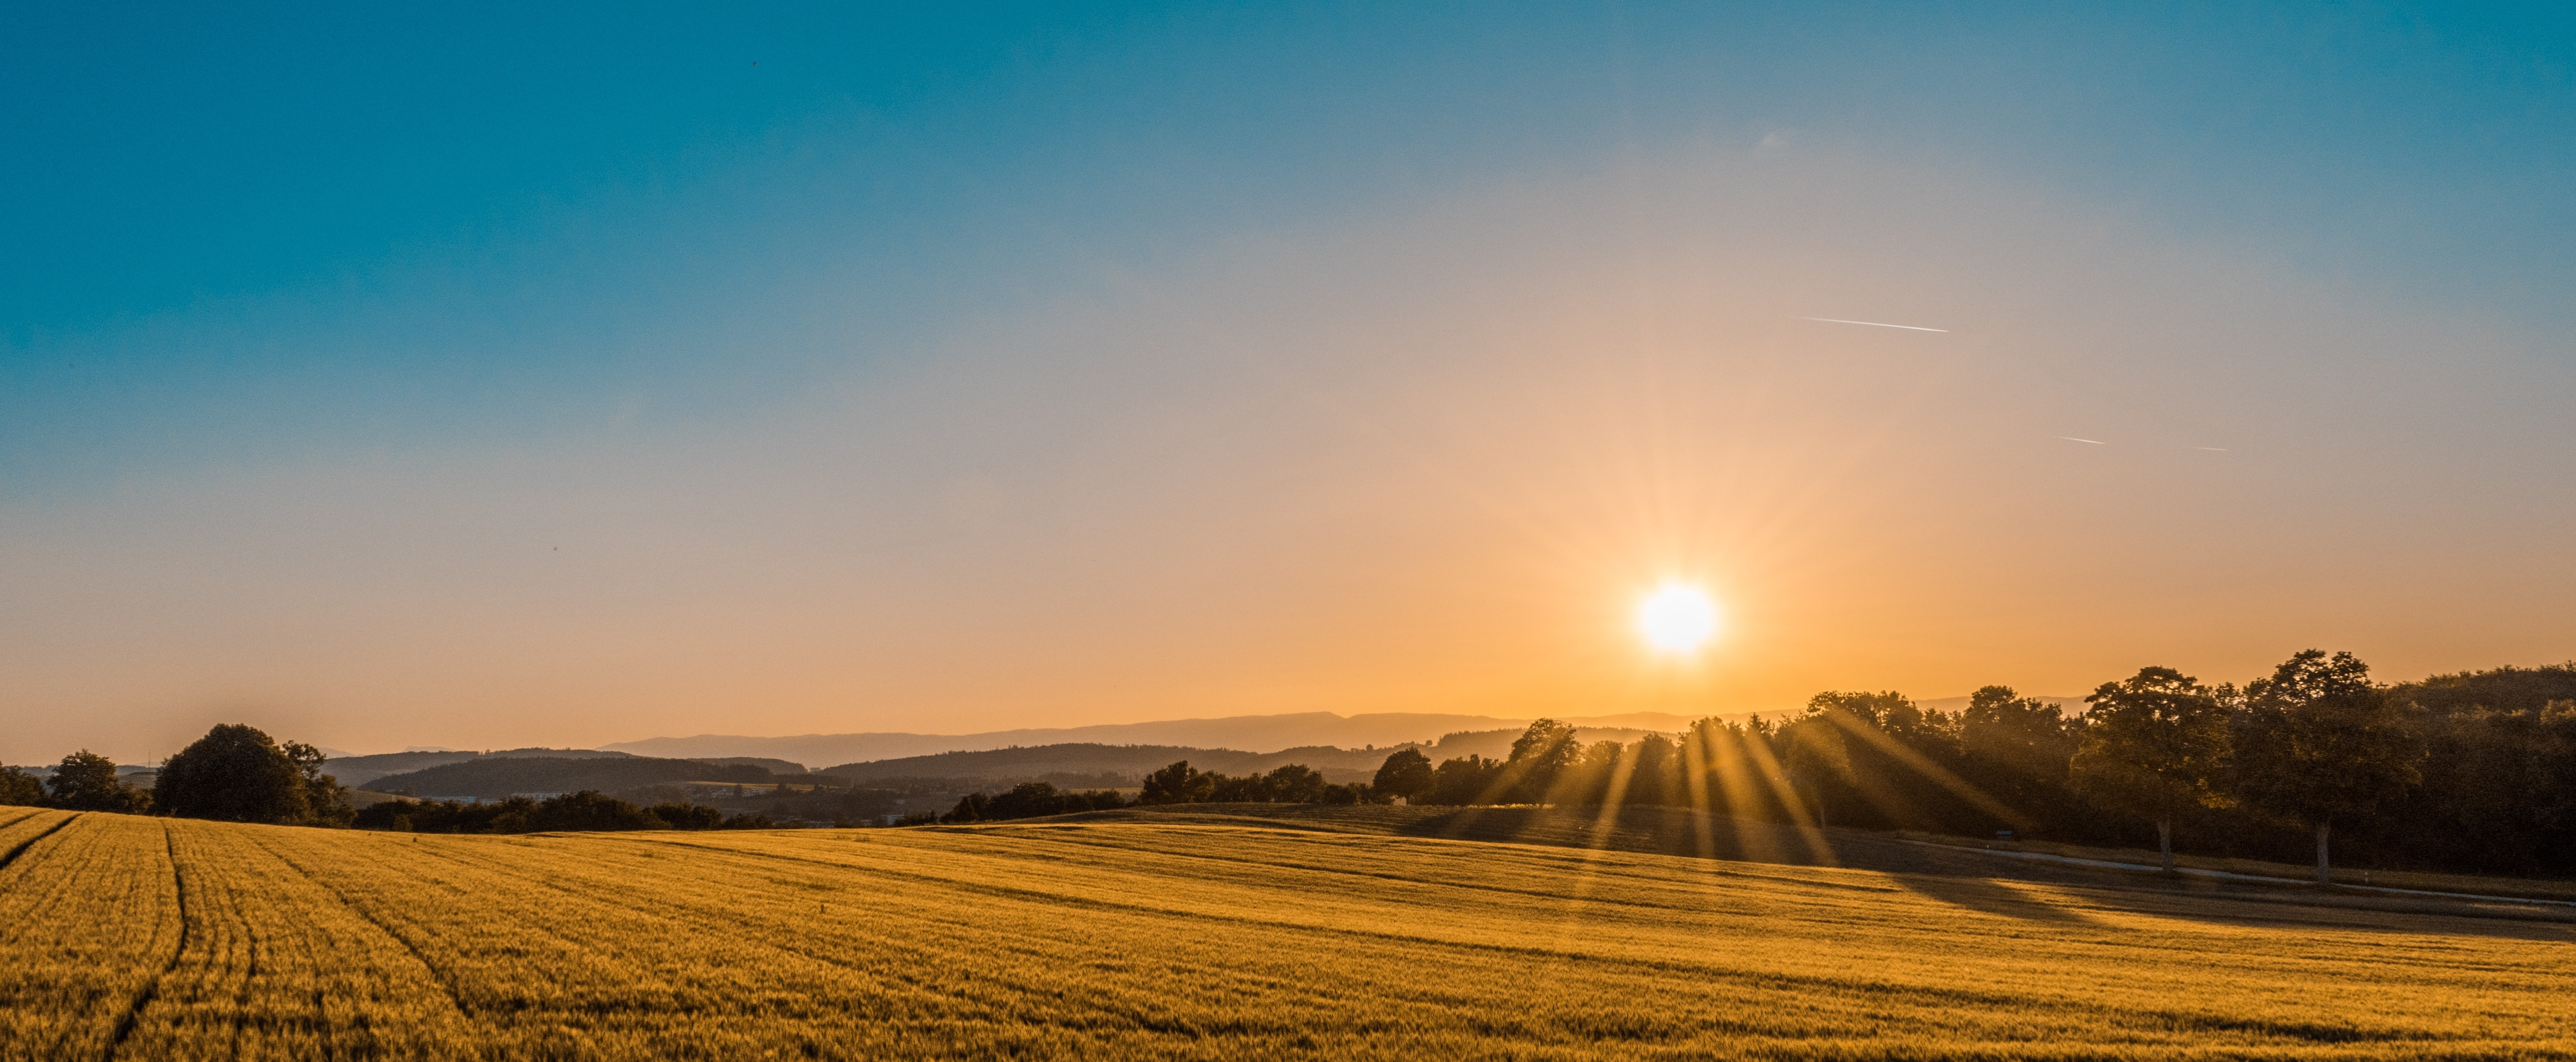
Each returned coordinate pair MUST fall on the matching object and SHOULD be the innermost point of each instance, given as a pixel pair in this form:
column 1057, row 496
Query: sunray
column 1768, row 767
column 1727, row 760
column 1939, row 775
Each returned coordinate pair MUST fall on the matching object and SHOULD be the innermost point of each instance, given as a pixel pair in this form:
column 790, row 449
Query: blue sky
column 242, row 236
column 489, row 376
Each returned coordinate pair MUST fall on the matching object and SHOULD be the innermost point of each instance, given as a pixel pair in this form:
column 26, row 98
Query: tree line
column 2472, row 772
column 1179, row 783
column 237, row 773
column 588, row 810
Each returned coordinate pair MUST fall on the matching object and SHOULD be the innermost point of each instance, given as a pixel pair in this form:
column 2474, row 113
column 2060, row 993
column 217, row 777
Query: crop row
column 139, row 938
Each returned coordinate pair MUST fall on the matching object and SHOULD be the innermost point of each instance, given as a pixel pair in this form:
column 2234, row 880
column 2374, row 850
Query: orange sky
column 1420, row 460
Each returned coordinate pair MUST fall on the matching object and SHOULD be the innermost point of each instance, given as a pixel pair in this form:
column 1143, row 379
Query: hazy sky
column 503, row 376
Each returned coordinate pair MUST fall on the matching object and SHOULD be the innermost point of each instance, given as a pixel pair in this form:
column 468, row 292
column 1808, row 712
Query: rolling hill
column 1089, row 764
column 1115, row 765
column 493, row 777
column 1202, row 935
column 1257, row 733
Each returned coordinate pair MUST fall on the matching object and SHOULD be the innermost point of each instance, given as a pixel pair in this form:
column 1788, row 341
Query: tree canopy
column 2157, row 743
column 2318, row 742
column 236, row 773
column 1406, row 773
column 17, row 787
column 87, row 781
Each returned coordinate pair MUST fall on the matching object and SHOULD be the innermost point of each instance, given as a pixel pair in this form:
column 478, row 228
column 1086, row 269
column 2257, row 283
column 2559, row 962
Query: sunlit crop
column 1143, row 935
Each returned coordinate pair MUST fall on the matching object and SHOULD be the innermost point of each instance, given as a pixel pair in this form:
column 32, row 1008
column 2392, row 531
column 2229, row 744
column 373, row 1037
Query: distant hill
column 359, row 770
column 1257, row 733
column 2505, row 689
column 773, row 766
column 1115, row 765
column 1093, row 763
column 493, row 777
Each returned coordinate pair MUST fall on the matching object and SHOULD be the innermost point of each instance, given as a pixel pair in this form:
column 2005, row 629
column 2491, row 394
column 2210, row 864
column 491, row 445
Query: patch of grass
column 1217, row 934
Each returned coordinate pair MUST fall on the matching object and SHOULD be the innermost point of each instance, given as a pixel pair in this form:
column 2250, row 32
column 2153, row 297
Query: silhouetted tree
column 1588, row 780
column 1655, row 776
column 17, row 787
column 238, row 774
column 1177, row 784
column 2019, row 751
column 1294, row 783
column 1816, row 757
column 2156, row 743
column 1539, row 755
column 86, row 781
column 1467, row 779
column 1729, row 768
column 1406, row 773
column 686, row 816
column 591, row 810
column 2318, row 742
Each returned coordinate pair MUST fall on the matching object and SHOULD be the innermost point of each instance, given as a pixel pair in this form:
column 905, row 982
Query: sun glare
column 1677, row 618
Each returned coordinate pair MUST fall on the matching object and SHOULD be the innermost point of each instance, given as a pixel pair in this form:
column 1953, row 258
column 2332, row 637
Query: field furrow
column 1198, row 941
column 89, row 918
column 277, row 967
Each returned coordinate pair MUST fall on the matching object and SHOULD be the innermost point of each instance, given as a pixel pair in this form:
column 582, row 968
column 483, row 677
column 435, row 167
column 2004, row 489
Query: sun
column 1676, row 618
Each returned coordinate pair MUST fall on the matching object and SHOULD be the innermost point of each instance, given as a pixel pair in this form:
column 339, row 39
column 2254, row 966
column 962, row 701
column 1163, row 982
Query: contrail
column 1872, row 324
column 2218, row 449
column 2070, row 438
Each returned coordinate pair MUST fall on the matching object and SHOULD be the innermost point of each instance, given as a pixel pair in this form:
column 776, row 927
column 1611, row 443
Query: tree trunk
column 2324, row 875
column 2164, row 841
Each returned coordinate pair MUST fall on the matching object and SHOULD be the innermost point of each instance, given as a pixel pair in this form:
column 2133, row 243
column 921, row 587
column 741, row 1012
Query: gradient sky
column 495, row 376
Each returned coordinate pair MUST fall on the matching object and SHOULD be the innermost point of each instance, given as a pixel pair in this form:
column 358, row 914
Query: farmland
column 1205, row 935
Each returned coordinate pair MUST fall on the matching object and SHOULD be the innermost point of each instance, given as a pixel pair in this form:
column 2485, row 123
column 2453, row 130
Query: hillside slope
column 156, row 939
column 1111, row 764
column 1258, row 733
column 495, row 777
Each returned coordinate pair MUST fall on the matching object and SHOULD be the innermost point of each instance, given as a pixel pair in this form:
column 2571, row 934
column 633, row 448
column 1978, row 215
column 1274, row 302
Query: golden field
column 1362, row 933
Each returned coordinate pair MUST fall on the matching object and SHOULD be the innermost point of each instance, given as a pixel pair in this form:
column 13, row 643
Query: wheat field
column 1175, row 937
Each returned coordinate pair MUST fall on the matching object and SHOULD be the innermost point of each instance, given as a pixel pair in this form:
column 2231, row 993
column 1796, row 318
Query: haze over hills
column 1242, row 733
column 1091, row 763
column 361, row 770
column 1245, row 733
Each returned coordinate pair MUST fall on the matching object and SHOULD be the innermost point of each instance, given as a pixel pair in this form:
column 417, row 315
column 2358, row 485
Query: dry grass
column 1180, row 937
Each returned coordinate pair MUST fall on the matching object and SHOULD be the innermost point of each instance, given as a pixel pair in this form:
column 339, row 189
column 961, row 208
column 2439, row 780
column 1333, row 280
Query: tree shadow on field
column 1962, row 877
column 1989, row 896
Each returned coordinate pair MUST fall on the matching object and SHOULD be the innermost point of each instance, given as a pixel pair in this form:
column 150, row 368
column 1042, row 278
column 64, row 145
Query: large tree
column 238, row 774
column 2318, row 742
column 1405, row 774
column 2154, row 744
column 86, row 781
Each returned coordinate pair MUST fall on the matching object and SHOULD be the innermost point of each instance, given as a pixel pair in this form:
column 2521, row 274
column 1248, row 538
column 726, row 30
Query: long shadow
column 1966, row 879
column 1993, row 897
